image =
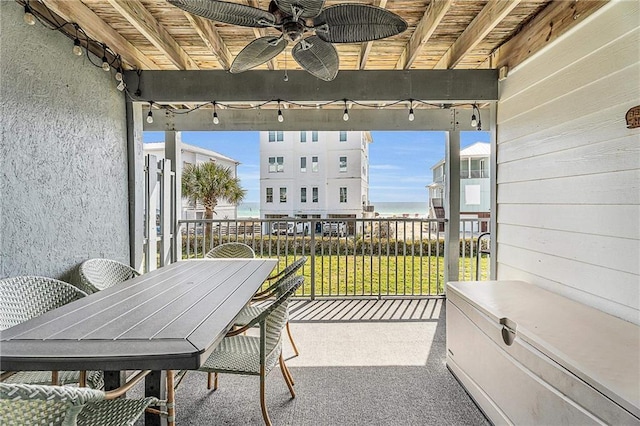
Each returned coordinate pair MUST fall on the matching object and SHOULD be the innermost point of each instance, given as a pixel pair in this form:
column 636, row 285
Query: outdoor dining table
column 171, row 318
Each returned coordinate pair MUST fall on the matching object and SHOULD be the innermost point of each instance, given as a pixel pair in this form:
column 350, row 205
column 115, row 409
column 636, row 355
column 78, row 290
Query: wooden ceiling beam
column 209, row 34
column 75, row 11
column 366, row 46
column 554, row 20
column 424, row 30
column 490, row 16
column 135, row 12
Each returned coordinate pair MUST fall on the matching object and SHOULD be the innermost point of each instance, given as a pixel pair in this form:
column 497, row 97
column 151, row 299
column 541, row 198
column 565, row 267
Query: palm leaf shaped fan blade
column 317, row 57
column 357, row 23
column 257, row 53
column 229, row 13
column 309, row 8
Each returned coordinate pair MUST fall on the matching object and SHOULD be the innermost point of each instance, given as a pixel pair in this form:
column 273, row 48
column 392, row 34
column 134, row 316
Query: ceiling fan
column 341, row 23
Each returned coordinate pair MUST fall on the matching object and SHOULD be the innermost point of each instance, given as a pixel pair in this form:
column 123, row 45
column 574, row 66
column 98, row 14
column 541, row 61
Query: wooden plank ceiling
column 441, row 34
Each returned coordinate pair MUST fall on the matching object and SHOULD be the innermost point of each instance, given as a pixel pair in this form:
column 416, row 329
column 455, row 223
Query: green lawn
column 357, row 275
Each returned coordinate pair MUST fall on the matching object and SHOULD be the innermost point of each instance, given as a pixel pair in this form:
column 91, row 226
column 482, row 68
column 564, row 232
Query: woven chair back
column 98, row 274
column 276, row 315
column 26, row 297
column 232, row 249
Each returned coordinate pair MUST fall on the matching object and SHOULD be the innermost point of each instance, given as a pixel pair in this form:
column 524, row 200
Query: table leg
column 155, row 384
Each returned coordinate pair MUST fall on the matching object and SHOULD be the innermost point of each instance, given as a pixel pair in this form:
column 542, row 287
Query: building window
column 283, row 195
column 314, row 164
column 314, row 136
column 343, row 194
column 314, row 194
column 303, row 164
column 303, row 136
column 276, row 136
column 276, row 164
column 343, row 136
column 269, row 195
column 303, row 195
column 343, row 164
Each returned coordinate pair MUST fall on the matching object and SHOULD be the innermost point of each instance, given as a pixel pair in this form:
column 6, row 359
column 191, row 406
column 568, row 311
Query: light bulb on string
column 411, row 115
column 28, row 17
column 150, row 114
column 77, row 48
column 345, row 115
column 105, row 64
column 121, row 86
column 216, row 120
column 280, row 116
column 118, row 75
column 474, row 120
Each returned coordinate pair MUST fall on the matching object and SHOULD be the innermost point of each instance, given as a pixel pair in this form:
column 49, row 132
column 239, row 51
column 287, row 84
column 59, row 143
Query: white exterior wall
column 568, row 168
column 196, row 155
column 328, row 179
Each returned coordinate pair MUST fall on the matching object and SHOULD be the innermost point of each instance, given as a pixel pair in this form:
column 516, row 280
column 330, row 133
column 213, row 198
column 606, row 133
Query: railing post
column 313, row 259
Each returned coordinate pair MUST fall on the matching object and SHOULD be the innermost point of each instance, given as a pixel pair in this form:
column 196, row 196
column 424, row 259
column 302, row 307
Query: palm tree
column 209, row 183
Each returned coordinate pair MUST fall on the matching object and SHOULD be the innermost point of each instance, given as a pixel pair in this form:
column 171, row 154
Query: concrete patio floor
column 361, row 362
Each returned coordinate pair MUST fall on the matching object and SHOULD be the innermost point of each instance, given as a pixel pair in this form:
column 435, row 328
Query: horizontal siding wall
column 568, row 168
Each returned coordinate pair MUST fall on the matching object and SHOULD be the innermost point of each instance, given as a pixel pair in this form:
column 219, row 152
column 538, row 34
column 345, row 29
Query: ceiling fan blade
column 257, row 53
column 310, row 8
column 357, row 23
column 317, row 57
column 229, row 13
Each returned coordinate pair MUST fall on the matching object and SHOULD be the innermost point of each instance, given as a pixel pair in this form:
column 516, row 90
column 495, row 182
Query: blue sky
column 400, row 162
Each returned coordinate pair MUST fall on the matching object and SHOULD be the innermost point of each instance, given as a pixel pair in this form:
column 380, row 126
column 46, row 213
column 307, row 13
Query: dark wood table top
column 167, row 319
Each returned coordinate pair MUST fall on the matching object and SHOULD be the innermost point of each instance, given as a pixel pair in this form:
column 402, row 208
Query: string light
column 28, row 17
column 280, row 116
column 77, row 48
column 345, row 103
column 476, row 121
column 150, row 114
column 50, row 21
column 216, row 120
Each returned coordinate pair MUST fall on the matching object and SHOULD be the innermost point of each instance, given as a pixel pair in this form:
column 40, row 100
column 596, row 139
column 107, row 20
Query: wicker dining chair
column 273, row 290
column 253, row 355
column 232, row 249
column 26, row 297
column 27, row 404
column 98, row 274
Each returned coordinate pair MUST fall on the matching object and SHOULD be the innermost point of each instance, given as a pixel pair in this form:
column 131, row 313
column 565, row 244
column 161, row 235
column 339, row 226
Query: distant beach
column 385, row 209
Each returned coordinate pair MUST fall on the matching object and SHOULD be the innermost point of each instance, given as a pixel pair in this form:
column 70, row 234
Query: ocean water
column 385, row 209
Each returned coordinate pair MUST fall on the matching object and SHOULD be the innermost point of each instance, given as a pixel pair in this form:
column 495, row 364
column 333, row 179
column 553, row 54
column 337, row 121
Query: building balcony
column 368, row 209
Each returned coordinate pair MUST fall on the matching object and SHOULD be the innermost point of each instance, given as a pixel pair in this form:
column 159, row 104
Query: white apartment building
column 314, row 174
column 196, row 155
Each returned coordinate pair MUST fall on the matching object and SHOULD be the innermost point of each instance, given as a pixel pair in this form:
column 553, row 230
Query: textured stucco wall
column 63, row 154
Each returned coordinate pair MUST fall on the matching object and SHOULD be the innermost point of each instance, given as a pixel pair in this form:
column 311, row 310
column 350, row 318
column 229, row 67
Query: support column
column 493, row 184
column 173, row 152
column 136, row 183
column 452, row 205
